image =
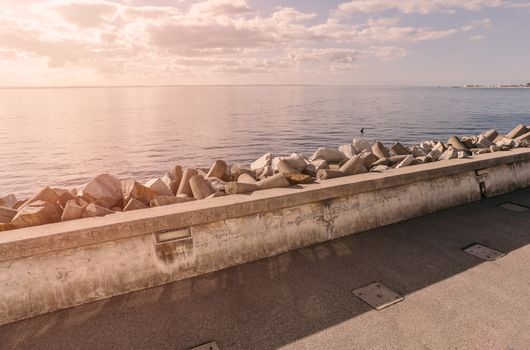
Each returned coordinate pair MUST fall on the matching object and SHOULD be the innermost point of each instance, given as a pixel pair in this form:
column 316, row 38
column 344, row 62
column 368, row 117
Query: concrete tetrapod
column 36, row 213
column 159, row 187
column 200, row 187
column 491, row 134
column 104, row 187
column 379, row 150
column 330, row 155
column 246, row 178
column 298, row 179
column 134, row 204
column 382, row 161
column 172, row 178
column 361, row 145
column 439, row 147
column 517, row 131
column 353, row 166
column 324, row 174
column 417, row 151
column 368, row 158
column 237, row 170
column 397, row 159
column 6, row 215
column 406, row 162
column 8, row 201
column 184, row 187
column 313, row 167
column 398, row 149
column 93, row 210
column 348, row 150
column 274, row 181
column 284, row 166
column 456, row 143
column 261, row 162
column 72, row 211
column 134, row 189
column 218, row 169
column 483, row 142
column 64, row 198
column 426, row 146
column 295, row 161
column 523, row 137
column 46, row 195
column 240, row 187
column 450, row 153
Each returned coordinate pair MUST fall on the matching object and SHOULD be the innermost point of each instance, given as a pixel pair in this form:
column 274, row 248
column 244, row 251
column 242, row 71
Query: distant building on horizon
column 527, row 85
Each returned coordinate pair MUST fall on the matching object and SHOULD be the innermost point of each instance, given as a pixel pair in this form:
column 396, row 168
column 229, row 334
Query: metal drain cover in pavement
column 208, row 346
column 514, row 207
column 377, row 296
column 484, row 253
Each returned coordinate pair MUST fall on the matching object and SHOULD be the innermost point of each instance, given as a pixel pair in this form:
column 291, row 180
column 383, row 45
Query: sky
column 332, row 42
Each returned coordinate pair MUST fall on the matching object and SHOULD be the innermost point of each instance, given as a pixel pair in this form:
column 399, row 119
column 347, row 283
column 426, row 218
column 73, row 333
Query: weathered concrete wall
column 61, row 265
column 496, row 178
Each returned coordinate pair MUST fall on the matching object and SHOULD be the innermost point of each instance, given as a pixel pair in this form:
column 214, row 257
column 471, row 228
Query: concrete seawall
column 55, row 266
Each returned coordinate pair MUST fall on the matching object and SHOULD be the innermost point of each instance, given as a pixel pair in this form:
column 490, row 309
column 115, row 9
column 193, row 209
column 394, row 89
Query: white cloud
column 221, row 8
column 484, row 23
column 85, row 14
column 420, row 6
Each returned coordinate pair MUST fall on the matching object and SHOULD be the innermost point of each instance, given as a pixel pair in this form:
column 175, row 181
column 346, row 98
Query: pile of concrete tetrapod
column 107, row 194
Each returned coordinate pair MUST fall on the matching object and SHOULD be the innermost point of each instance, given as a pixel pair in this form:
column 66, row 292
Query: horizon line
column 29, row 87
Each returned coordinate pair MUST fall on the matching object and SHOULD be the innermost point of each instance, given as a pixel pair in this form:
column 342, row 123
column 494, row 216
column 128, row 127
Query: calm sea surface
column 63, row 137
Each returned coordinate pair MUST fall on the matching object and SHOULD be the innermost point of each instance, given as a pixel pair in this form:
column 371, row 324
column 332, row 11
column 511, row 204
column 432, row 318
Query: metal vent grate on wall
column 170, row 235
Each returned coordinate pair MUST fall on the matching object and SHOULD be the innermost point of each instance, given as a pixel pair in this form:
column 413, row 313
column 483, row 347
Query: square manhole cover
column 514, row 207
column 483, row 252
column 208, row 346
column 377, row 296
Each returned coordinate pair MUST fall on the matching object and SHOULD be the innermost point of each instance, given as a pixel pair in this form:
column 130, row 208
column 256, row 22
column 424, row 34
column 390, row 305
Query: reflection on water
column 62, row 137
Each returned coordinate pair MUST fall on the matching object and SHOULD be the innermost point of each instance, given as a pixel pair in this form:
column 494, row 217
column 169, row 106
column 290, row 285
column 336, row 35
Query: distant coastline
column 497, row 86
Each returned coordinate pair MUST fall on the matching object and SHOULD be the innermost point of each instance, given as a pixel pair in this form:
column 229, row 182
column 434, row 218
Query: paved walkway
column 303, row 299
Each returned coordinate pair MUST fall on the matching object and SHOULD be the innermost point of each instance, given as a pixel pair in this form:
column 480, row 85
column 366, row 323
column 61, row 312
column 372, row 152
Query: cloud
column 385, row 33
column 137, row 38
column 200, row 38
column 57, row 53
column 476, row 38
column 299, row 60
column 519, row 5
column 420, row 6
column 289, row 15
column 8, row 55
column 221, row 8
column 85, row 14
column 484, row 23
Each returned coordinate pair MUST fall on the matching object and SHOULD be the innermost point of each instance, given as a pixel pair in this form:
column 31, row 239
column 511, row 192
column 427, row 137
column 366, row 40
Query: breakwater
column 59, row 265
column 107, row 194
